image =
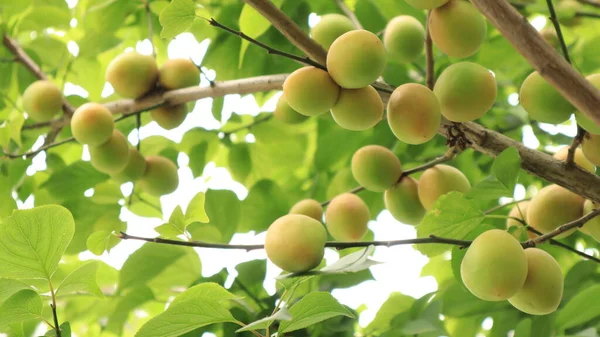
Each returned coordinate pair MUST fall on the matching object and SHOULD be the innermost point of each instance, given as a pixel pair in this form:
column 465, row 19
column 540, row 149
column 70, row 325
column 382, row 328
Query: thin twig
column 429, row 61
column 248, row 126
column 449, row 155
column 590, row 2
column 566, row 227
column 42, row 148
column 270, row 50
column 563, row 45
column 350, row 14
column 562, row 245
column 53, row 306
column 331, row 244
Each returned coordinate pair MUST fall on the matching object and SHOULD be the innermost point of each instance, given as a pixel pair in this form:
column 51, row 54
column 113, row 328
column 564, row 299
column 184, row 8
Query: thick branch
column 350, row 14
column 289, row 29
column 555, row 69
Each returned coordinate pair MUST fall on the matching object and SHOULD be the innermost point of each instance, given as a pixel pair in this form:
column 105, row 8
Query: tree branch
column 561, row 229
column 270, row 50
column 289, row 29
column 429, row 61
column 562, row 245
column 54, row 315
column 350, row 14
column 330, row 244
column 555, row 69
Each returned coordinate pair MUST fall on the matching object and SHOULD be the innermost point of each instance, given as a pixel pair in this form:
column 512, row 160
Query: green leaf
column 81, row 280
column 176, row 18
column 281, row 315
column 33, row 241
column 224, row 219
column 196, row 307
column 22, row 306
column 350, row 263
column 10, row 287
column 489, row 189
column 523, row 329
column 195, row 211
column 99, row 242
column 265, row 203
column 73, row 180
column 507, row 166
column 312, row 309
column 65, row 331
column 175, row 226
column 217, row 108
column 582, row 308
column 137, row 271
column 393, row 306
column 239, row 161
column 126, row 304
column 454, row 217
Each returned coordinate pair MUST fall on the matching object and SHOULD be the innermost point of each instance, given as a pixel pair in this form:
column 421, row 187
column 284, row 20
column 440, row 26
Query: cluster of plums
column 132, row 75
column 464, row 91
column 377, row 169
column 497, row 268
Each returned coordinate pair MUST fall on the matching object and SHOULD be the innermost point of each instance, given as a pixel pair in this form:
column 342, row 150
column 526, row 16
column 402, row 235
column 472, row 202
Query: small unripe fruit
column 111, row 156
column 403, row 38
column 552, row 207
column 494, row 267
column 330, row 28
column 591, row 148
column 440, row 180
column 402, row 200
column 579, row 158
column 132, row 75
column 585, row 122
column 169, row 117
column 356, row 59
column 92, row 124
column 160, row 177
column 426, row 4
column 134, row 170
column 542, row 102
column 295, row 243
column 519, row 212
column 376, row 168
column 413, row 112
column 347, row 217
column 308, row 207
column 592, row 227
column 466, row 91
column 285, row 113
column 42, row 100
column 310, row 91
column 542, row 291
column 457, row 28
column 178, row 73
column 358, row 109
